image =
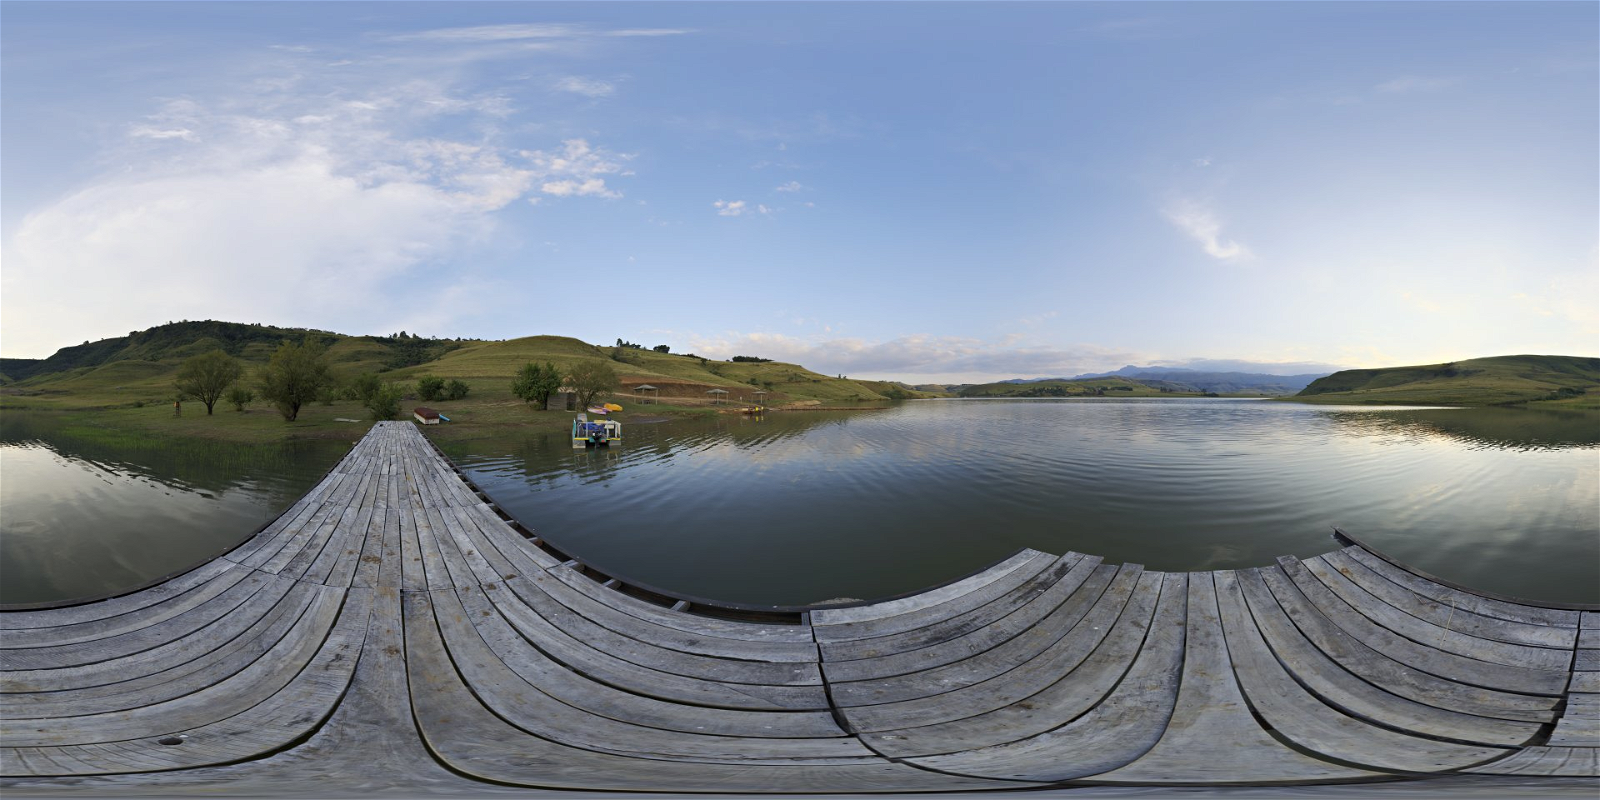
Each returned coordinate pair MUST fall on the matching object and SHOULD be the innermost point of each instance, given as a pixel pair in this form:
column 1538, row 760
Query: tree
column 590, row 379
column 206, row 376
column 661, row 348
column 240, row 397
column 430, row 387
column 295, row 376
column 534, row 384
column 384, row 402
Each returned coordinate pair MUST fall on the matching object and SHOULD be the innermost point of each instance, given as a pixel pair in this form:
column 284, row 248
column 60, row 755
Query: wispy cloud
column 512, row 32
column 491, row 33
column 791, row 186
column 1409, row 84
column 730, row 208
column 588, row 87
column 1202, row 225
column 916, row 357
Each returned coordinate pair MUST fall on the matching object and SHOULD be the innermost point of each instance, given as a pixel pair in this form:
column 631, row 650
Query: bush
column 430, row 387
column 240, row 397
column 384, row 402
column 454, row 390
column 661, row 348
column 751, row 359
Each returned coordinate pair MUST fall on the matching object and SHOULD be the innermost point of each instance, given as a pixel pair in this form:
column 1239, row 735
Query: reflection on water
column 89, row 511
column 798, row 508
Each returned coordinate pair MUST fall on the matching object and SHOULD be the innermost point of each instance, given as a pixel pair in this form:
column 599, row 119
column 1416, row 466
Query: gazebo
column 643, row 390
column 761, row 397
column 718, row 396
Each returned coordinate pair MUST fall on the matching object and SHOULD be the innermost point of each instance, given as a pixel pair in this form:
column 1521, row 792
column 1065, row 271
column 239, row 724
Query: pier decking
column 391, row 629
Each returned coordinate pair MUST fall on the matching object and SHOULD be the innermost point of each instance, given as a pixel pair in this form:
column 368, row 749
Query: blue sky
column 940, row 192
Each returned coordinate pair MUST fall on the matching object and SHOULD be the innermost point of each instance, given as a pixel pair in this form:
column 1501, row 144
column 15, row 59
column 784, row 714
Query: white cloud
column 1408, row 84
column 152, row 132
column 577, row 169
column 286, row 209
column 1202, row 225
column 918, row 357
column 763, row 209
column 588, row 87
column 593, row 187
column 1203, row 162
column 650, row 32
column 491, row 33
column 727, row 208
column 791, row 186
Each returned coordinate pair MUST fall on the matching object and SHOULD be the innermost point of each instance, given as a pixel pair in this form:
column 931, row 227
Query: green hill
column 1081, row 387
column 1567, row 381
column 138, row 369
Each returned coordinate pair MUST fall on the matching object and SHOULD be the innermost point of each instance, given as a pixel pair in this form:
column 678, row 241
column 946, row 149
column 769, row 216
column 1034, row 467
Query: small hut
column 647, row 393
column 425, row 415
column 761, row 397
column 718, row 396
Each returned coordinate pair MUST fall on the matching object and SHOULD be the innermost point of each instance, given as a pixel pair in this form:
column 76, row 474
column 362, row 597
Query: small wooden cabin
column 425, row 415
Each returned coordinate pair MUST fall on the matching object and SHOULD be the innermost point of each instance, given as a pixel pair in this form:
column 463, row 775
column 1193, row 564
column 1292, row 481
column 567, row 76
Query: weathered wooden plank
column 1302, row 718
column 1421, row 656
column 923, row 698
column 1477, row 604
column 521, row 703
column 284, row 716
column 1446, row 615
column 1122, row 727
column 1344, row 690
column 599, row 665
column 1395, row 676
column 660, row 658
column 1436, row 636
column 133, row 691
column 91, row 630
column 1574, row 762
column 472, row 740
column 1072, row 684
column 124, row 644
column 917, row 614
column 961, row 636
column 577, row 690
column 1212, row 736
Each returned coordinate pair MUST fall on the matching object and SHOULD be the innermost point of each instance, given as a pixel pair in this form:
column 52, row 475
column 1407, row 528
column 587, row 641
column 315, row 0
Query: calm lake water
column 85, row 512
column 804, row 507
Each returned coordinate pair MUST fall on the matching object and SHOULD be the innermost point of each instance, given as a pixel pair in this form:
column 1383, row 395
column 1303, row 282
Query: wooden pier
column 391, row 629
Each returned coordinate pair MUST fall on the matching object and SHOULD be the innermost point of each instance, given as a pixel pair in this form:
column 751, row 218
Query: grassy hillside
column 127, row 382
column 1562, row 381
column 1081, row 387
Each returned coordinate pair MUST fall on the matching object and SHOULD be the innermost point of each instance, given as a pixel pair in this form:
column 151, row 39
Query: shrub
column 384, row 402
column 240, row 397
column 454, row 390
column 430, row 387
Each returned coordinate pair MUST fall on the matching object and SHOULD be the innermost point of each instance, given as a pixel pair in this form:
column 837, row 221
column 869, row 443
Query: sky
column 932, row 192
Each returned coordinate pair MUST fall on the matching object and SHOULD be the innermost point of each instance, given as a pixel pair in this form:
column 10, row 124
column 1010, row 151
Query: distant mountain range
column 1218, row 382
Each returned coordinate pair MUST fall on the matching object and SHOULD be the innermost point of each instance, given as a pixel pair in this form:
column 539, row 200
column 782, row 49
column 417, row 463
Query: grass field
column 1540, row 381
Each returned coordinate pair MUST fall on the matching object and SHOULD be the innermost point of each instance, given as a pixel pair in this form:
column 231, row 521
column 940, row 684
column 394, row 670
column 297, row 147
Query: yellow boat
column 612, row 407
